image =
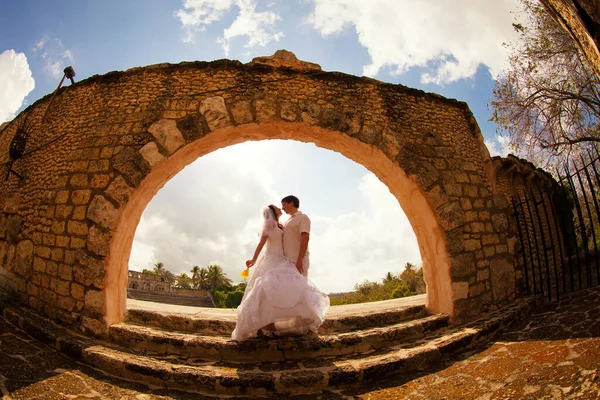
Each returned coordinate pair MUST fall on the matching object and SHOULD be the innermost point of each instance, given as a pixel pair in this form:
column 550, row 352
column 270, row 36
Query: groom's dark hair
column 291, row 199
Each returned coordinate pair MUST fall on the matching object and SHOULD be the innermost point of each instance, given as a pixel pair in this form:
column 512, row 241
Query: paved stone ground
column 554, row 355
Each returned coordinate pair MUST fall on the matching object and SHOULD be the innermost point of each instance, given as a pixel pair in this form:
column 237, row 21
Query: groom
column 296, row 233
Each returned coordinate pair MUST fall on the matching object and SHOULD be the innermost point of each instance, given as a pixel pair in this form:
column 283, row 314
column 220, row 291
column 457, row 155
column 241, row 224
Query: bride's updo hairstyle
column 272, row 208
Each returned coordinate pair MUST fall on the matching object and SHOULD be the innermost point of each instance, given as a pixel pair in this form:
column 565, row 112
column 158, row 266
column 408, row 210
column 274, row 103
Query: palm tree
column 203, row 279
column 184, row 281
column 389, row 277
column 159, row 267
column 217, row 278
column 195, row 276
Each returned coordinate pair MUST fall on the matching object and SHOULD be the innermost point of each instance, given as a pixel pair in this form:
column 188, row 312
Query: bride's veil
column 270, row 221
column 269, row 214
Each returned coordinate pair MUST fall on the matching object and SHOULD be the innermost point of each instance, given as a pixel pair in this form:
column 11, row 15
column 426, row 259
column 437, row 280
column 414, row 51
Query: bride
column 278, row 298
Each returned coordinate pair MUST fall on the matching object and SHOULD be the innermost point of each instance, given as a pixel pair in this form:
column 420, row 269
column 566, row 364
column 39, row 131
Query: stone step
column 285, row 378
column 147, row 340
column 307, row 376
column 339, row 319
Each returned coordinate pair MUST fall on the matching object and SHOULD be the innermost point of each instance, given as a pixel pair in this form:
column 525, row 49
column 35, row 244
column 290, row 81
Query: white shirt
column 292, row 232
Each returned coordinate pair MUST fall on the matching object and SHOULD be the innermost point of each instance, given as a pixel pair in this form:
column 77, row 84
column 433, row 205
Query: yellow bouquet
column 244, row 273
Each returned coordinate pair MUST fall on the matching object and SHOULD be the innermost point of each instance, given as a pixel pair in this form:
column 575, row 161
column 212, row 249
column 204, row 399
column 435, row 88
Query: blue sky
column 450, row 48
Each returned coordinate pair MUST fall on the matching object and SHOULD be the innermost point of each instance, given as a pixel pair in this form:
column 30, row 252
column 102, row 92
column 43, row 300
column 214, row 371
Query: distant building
column 155, row 288
column 148, row 282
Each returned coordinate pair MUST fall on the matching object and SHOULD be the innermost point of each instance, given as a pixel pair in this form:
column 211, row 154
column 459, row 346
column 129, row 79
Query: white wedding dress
column 277, row 293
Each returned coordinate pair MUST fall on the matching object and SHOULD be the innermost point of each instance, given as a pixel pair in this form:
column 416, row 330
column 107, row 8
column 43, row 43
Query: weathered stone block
column 119, row 190
column 79, row 180
column 370, row 133
column 309, row 112
column 51, row 268
column 132, row 165
column 462, row 265
column 503, row 278
column 242, row 112
column 94, row 327
column 43, row 251
column 102, row 212
column 266, row 109
column 81, row 196
column 77, row 228
column 472, row 244
column 437, row 196
column 215, row 112
column 98, row 241
column 62, row 241
column 77, row 243
column 94, row 300
column 100, row 181
column 461, row 290
column 13, row 228
column 451, row 216
column 60, row 287
column 63, row 211
column 66, row 303
column 32, row 289
column 57, row 254
column 62, row 196
column 77, row 291
column 65, row 272
column 289, row 111
column 24, row 258
column 151, row 154
column 11, row 203
column 58, row 227
column 500, row 222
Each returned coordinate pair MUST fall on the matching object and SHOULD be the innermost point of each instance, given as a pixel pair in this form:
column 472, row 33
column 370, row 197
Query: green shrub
column 402, row 290
column 219, row 298
column 234, row 299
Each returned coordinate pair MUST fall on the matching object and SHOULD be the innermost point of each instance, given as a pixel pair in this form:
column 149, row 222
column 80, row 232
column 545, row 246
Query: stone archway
column 104, row 147
column 412, row 199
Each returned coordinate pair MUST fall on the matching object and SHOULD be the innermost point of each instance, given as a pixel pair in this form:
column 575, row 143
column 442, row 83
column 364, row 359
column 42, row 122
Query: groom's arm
column 304, row 238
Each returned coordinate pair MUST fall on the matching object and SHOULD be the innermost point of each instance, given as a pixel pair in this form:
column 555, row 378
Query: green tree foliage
column 413, row 278
column 183, row 281
column 234, row 299
column 402, row 290
column 547, row 103
column 408, row 283
column 217, row 279
column 195, row 277
column 159, row 267
column 219, row 298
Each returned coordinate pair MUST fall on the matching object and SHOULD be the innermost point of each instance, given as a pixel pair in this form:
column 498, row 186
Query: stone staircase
column 194, row 354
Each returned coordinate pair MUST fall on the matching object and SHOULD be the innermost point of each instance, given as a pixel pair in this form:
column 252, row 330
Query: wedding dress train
column 277, row 293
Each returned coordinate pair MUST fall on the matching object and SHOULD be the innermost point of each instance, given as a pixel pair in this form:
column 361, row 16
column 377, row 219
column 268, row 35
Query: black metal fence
column 559, row 231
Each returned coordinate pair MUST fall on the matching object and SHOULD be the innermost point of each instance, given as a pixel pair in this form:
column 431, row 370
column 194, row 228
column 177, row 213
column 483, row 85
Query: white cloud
column 451, row 39
column 207, row 214
column 499, row 146
column 211, row 213
column 362, row 246
column 257, row 27
column 16, row 82
column 54, row 56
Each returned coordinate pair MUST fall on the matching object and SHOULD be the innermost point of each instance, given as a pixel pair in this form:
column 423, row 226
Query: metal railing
column 559, row 231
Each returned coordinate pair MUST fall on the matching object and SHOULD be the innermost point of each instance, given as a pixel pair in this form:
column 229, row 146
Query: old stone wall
column 540, row 214
column 581, row 18
column 148, row 282
column 104, row 146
